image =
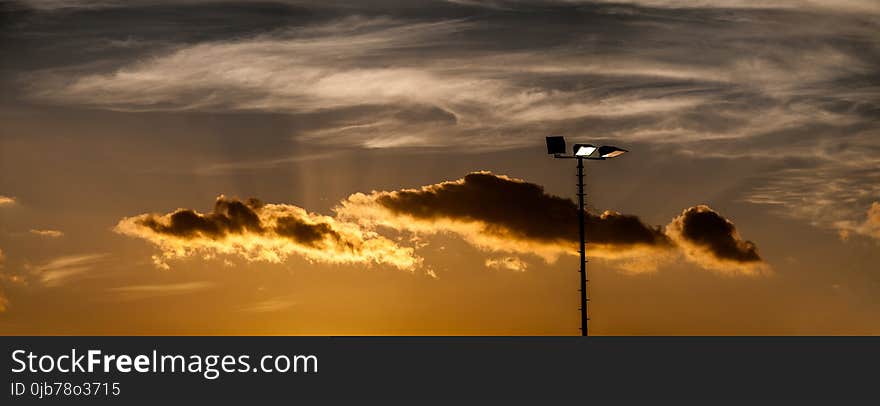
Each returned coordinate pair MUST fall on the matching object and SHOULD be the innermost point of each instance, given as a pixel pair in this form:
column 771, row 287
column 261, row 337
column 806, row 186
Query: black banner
column 451, row 370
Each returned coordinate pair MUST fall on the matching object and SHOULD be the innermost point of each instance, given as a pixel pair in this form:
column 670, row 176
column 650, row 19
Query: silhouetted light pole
column 556, row 147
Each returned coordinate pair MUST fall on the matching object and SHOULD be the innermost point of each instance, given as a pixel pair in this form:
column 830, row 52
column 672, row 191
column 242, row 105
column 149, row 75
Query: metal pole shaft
column 583, row 252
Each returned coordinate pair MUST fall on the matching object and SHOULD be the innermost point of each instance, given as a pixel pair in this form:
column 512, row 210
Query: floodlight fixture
column 555, row 145
column 608, row 151
column 584, row 150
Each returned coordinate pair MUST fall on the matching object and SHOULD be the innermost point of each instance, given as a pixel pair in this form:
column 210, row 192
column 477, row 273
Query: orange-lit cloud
column 52, row 273
column 138, row 292
column 501, row 214
column 494, row 213
column 263, row 232
column 269, row 305
column 710, row 240
column 47, row 233
column 869, row 228
column 6, row 200
column 61, row 270
column 508, row 263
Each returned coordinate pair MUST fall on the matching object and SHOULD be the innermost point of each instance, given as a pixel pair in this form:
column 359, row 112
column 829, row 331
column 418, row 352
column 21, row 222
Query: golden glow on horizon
column 764, row 130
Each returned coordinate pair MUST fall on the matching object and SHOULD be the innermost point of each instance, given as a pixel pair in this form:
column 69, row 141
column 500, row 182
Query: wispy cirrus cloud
column 60, row 270
column 141, row 292
column 269, row 305
column 847, row 6
column 230, row 167
column 870, row 227
column 780, row 81
column 850, row 6
column 52, row 273
column 331, row 66
column 47, row 233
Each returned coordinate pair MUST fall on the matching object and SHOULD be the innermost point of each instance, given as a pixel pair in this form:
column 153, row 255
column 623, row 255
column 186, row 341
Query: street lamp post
column 556, row 147
column 582, row 249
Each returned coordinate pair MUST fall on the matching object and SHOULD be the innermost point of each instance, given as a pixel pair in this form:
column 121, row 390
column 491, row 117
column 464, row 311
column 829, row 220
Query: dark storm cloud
column 498, row 213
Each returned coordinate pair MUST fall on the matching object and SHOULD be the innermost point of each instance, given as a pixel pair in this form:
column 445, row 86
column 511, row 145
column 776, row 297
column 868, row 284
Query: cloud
column 831, row 192
column 494, row 213
column 6, row 201
column 754, row 80
column 263, row 232
column 290, row 71
column 139, row 292
column 63, row 4
column 59, row 271
column 509, row 263
column 330, row 66
column 269, row 305
column 6, row 276
column 712, row 241
column 47, row 233
column 851, row 6
column 228, row 167
column 870, row 227
column 501, row 214
column 53, row 273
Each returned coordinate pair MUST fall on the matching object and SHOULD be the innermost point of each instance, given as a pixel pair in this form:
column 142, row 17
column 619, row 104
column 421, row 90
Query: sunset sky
column 378, row 167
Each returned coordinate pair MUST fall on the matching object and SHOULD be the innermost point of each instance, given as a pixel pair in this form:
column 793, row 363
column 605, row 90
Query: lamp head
column 555, row 145
column 608, row 151
column 584, row 150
